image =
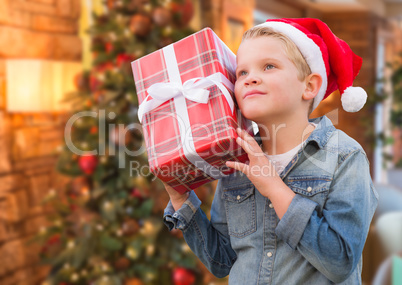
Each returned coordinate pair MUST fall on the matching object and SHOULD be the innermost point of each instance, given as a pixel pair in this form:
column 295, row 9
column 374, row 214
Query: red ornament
column 93, row 130
column 88, row 163
column 124, row 58
column 105, row 66
column 137, row 194
column 182, row 12
column 108, row 47
column 183, row 276
column 133, row 281
column 54, row 239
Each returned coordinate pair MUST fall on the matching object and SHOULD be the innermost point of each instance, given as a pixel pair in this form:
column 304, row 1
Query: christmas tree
column 106, row 226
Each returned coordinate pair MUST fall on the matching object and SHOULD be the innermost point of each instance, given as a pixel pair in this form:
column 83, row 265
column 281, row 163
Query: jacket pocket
column 315, row 188
column 240, row 210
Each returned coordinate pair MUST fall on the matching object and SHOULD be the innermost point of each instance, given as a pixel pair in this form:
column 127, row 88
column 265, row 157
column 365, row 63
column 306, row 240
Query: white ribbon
column 194, row 90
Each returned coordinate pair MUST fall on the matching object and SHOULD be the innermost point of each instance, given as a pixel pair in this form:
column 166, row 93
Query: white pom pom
column 353, row 99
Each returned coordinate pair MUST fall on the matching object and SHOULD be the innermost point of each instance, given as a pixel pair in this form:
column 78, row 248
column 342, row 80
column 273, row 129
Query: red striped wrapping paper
column 213, row 125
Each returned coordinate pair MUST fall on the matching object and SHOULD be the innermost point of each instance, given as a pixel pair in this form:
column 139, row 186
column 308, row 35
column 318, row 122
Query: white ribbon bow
column 193, row 89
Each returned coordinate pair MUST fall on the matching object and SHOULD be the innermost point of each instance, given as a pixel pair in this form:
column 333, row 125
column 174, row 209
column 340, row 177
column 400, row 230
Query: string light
column 74, row 277
column 70, row 244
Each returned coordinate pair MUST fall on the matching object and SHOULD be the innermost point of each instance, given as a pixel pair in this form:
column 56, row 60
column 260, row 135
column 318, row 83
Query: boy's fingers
column 247, row 138
column 245, row 145
column 237, row 165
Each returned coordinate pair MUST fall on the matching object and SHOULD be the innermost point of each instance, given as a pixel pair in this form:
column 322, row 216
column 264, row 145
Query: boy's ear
column 313, row 85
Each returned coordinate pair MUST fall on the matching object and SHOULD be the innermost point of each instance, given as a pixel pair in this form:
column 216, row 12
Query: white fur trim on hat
column 309, row 50
column 353, row 99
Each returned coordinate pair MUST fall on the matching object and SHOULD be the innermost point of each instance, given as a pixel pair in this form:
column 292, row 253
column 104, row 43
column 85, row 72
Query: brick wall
column 45, row 29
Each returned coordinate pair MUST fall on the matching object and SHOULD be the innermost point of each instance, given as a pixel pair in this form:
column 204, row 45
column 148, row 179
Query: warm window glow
column 35, row 85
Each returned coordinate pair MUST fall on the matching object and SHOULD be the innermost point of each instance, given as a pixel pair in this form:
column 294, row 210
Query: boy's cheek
column 237, row 92
column 238, row 98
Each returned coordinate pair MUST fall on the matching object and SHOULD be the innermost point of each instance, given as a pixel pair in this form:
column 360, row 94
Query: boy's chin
column 252, row 115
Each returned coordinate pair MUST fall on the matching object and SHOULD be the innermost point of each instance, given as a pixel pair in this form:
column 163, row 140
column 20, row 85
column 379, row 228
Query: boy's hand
column 176, row 198
column 260, row 170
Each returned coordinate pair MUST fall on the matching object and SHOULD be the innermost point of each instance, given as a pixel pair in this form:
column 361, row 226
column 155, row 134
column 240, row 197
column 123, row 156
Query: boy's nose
column 252, row 79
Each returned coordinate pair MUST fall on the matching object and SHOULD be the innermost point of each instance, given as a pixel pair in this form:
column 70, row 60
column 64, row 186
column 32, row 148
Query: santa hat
column 327, row 55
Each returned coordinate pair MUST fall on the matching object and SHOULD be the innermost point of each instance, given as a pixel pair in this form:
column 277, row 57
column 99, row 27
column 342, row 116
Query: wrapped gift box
column 188, row 111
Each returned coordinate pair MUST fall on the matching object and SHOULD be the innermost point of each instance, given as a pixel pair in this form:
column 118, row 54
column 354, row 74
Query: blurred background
column 67, row 218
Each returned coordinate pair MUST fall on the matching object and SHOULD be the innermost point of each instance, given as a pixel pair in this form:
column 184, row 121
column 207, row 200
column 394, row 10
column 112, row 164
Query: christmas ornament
column 88, row 163
column 183, row 276
column 140, row 25
column 136, row 193
column 130, row 227
column 151, row 227
column 74, row 277
column 132, row 253
column 109, row 47
column 111, row 4
column 123, row 59
column 182, row 11
column 122, row 263
column 150, row 250
column 133, row 281
column 93, row 130
column 161, row 16
column 104, row 67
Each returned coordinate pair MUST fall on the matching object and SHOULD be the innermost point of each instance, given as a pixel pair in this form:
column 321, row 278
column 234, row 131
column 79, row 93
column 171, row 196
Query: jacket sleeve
column 333, row 241
column 209, row 240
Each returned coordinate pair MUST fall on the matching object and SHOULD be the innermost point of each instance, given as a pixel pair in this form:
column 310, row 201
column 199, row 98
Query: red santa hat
column 327, row 55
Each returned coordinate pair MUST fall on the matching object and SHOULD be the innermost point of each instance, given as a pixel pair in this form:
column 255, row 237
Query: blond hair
column 292, row 51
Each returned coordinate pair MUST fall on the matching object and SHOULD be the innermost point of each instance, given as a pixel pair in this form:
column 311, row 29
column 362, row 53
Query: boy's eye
column 269, row 66
column 242, row 73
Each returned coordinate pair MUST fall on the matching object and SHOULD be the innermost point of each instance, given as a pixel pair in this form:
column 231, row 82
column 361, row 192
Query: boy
column 299, row 212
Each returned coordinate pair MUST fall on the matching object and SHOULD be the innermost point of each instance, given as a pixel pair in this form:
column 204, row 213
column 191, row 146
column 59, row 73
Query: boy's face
column 267, row 86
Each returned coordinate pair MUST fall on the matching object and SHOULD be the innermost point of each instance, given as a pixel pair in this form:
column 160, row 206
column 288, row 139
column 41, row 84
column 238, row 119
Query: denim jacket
column 320, row 238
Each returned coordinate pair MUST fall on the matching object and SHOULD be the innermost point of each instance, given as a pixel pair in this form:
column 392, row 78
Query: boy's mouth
column 252, row 93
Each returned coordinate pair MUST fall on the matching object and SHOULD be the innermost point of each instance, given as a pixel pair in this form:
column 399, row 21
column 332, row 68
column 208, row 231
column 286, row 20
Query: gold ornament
column 133, row 281
column 70, row 244
column 140, row 25
column 151, row 227
column 150, row 249
column 132, row 253
column 74, row 277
